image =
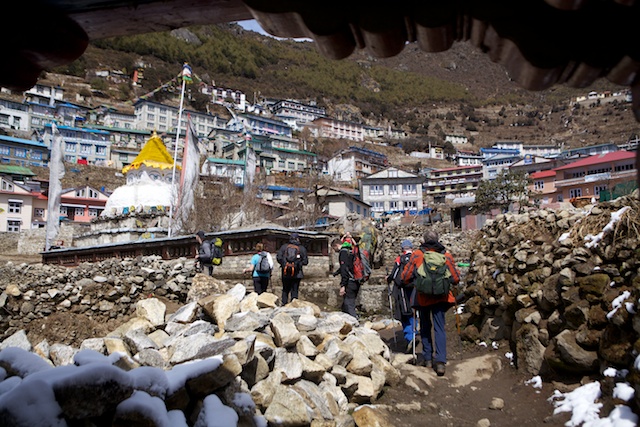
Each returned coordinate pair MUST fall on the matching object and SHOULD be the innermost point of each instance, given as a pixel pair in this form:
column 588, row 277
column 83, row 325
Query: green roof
column 16, row 170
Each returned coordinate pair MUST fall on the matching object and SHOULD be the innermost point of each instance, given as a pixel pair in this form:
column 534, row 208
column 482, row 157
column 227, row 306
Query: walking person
column 401, row 294
column 291, row 256
column 261, row 265
column 204, row 255
column 349, row 287
column 432, row 309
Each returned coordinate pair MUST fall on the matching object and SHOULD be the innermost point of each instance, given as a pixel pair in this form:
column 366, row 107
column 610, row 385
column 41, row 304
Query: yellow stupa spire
column 154, row 154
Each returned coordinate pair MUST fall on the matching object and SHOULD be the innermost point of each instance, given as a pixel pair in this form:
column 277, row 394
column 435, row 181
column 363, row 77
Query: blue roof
column 283, row 188
column 22, row 141
column 102, row 132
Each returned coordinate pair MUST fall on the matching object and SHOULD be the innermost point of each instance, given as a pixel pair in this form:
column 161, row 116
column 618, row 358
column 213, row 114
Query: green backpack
column 434, row 277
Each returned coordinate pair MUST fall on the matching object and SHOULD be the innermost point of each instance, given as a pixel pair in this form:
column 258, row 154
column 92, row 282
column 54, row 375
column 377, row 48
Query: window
column 560, row 198
column 78, row 212
column 151, row 116
column 599, row 188
column 393, row 174
column 4, row 150
column 93, row 213
column 277, row 195
column 350, row 205
column 575, row 192
column 36, row 155
column 409, row 189
column 377, row 207
column 69, row 147
column 80, row 193
column 291, row 165
column 15, row 207
column 21, row 152
column 70, row 159
column 123, row 157
column 163, row 119
column 393, row 205
column 13, row 226
column 376, row 190
column 393, row 189
column 101, row 149
column 85, row 148
column 93, row 194
column 4, row 119
column 63, row 210
column 358, row 209
column 7, row 186
column 411, row 204
column 281, row 164
column 38, row 212
column 538, row 185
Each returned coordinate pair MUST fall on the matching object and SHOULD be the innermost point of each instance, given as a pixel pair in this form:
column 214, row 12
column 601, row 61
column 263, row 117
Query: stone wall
column 562, row 287
column 32, row 242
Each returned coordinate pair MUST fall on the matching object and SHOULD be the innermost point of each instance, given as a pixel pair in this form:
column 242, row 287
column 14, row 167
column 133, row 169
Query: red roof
column 543, row 174
column 599, row 159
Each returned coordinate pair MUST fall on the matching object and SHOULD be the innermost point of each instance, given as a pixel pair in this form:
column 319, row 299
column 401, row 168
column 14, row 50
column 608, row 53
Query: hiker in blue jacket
column 261, row 265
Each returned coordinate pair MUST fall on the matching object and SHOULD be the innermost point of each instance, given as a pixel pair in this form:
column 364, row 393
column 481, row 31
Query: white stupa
column 148, row 184
column 140, row 208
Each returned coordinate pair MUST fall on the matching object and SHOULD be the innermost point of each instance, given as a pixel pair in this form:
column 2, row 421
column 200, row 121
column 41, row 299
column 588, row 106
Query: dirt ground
column 444, row 405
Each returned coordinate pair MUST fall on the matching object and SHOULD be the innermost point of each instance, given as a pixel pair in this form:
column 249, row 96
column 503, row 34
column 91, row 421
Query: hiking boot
column 426, row 363
column 439, row 368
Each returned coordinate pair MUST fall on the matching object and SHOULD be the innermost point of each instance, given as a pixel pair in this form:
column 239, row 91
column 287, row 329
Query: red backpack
column 361, row 265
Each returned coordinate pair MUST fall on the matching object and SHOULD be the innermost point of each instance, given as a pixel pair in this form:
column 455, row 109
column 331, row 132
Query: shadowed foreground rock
column 289, row 366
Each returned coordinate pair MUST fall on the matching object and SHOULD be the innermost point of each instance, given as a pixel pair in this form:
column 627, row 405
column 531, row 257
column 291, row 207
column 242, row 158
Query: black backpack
column 263, row 265
column 291, row 260
column 215, row 245
column 404, row 260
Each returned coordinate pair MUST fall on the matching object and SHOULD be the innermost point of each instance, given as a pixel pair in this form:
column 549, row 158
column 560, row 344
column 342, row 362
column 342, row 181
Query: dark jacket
column 400, row 294
column 345, row 268
column 302, row 261
column 204, row 252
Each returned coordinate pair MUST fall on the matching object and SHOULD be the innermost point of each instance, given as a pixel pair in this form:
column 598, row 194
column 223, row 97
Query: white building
column 456, row 139
column 152, row 116
column 302, row 113
column 14, row 115
column 392, row 189
column 233, row 170
column 44, row 94
column 353, row 163
column 220, row 95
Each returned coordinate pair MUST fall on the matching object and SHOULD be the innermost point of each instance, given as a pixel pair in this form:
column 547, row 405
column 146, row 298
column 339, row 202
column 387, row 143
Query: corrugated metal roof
column 543, row 174
column 599, row 159
column 16, row 170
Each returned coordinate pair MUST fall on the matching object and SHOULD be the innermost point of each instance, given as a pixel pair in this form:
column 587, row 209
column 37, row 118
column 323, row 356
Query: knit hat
column 406, row 243
column 294, row 236
column 200, row 234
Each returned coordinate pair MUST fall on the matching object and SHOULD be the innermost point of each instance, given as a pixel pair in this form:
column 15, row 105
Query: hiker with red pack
column 349, row 287
column 291, row 257
column 433, row 272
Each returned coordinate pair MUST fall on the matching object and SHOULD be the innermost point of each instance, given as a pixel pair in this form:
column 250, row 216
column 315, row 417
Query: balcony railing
column 601, row 177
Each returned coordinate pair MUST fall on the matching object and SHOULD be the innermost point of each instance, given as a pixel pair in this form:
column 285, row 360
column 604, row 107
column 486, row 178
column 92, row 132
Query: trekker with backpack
column 291, row 256
column 401, row 294
column 434, row 277
column 349, row 287
column 210, row 252
column 261, row 266
column 203, row 257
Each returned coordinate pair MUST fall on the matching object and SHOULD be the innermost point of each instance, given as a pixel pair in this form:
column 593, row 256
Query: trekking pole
column 413, row 341
column 395, row 339
column 455, row 307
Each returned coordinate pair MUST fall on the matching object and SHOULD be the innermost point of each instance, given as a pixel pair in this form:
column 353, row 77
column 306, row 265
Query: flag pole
column 175, row 154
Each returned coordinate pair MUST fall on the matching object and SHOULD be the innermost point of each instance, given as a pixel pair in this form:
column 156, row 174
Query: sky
column 252, row 25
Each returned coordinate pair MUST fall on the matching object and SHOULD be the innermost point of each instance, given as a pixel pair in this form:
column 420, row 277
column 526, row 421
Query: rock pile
column 562, row 286
column 106, row 290
column 232, row 355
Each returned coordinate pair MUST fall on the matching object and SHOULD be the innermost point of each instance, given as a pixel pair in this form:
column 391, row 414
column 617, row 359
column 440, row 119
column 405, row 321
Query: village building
column 586, row 178
column 231, row 170
column 153, row 116
column 327, row 127
column 14, row 115
column 392, row 190
column 19, row 206
column 353, row 163
column 449, row 183
column 81, row 145
column 82, row 204
column 23, row 152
